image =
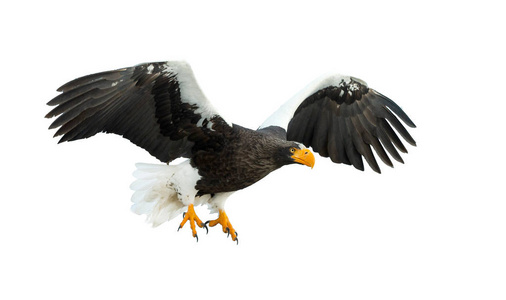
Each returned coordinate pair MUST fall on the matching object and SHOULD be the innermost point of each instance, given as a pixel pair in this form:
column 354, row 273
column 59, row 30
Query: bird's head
column 296, row 153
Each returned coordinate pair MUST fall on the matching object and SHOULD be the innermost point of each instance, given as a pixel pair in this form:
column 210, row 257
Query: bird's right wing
column 157, row 106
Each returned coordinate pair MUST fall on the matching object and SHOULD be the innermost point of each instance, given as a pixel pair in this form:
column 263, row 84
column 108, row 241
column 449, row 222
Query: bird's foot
column 225, row 224
column 191, row 216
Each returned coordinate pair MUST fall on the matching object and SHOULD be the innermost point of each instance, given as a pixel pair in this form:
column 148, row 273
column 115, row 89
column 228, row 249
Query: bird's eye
column 292, row 150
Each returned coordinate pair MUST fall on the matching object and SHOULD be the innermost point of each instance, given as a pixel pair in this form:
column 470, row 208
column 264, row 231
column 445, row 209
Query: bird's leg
column 225, row 224
column 193, row 218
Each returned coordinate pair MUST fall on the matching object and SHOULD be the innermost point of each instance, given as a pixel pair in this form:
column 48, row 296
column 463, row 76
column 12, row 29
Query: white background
column 433, row 228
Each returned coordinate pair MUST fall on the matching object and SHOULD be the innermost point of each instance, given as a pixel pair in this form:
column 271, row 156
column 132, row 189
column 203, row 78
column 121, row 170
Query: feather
column 156, row 106
column 159, row 190
column 340, row 117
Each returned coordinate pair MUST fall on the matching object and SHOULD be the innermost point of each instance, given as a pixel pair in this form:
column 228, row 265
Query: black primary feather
column 144, row 104
column 343, row 121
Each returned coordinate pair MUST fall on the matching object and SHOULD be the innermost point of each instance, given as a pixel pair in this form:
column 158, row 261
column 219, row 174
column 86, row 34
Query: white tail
column 155, row 195
column 163, row 192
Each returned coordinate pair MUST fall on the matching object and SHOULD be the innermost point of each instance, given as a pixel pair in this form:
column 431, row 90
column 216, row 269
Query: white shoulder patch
column 284, row 114
column 189, row 88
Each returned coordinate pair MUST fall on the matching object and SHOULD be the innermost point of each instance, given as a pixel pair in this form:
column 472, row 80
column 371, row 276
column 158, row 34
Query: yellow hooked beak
column 303, row 156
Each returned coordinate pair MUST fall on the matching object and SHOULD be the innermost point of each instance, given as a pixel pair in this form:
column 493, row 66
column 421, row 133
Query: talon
column 191, row 216
column 225, row 224
column 205, row 226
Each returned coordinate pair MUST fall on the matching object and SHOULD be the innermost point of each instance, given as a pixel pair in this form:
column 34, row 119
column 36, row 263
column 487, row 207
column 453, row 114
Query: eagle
column 160, row 107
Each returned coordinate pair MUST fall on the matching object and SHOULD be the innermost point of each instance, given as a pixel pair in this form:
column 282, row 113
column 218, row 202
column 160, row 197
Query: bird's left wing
column 157, row 106
column 341, row 117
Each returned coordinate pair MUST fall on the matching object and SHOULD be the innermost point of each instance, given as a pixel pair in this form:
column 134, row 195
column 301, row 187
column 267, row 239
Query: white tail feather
column 162, row 192
column 154, row 194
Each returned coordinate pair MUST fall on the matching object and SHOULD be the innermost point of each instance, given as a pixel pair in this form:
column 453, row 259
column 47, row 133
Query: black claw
column 228, row 232
column 205, row 225
column 237, row 240
column 236, row 234
column 197, row 237
column 179, row 228
column 184, row 214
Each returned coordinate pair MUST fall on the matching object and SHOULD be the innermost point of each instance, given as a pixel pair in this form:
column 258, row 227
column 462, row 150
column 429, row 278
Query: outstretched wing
column 157, row 106
column 341, row 118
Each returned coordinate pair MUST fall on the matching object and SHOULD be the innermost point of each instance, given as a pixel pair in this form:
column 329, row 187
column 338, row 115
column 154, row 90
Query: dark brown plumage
column 246, row 157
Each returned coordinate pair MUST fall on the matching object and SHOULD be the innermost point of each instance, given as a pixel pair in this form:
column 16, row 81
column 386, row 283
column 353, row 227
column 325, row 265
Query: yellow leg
column 193, row 218
column 225, row 224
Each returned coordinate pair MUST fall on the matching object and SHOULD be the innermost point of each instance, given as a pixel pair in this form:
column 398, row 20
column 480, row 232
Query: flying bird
column 160, row 107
